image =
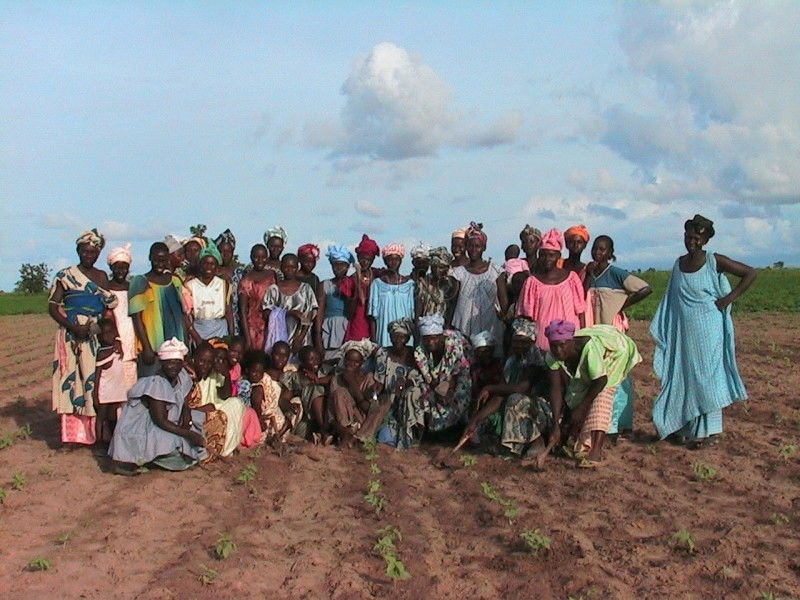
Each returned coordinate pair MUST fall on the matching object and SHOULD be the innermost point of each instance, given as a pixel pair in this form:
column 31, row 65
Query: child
column 240, row 386
column 265, row 397
column 279, row 361
column 119, row 259
column 110, row 388
column 512, row 251
column 309, row 384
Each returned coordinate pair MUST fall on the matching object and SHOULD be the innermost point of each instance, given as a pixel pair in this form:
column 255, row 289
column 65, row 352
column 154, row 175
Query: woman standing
column 154, row 304
column 296, row 303
column 252, row 289
column 575, row 239
column 119, row 260
column 78, row 298
column 331, row 323
column 211, row 299
column 437, row 291
column 458, row 246
column 230, row 272
column 475, row 309
column 695, row 355
column 551, row 292
column 275, row 240
column 610, row 291
column 356, row 289
column 391, row 296
column 308, row 255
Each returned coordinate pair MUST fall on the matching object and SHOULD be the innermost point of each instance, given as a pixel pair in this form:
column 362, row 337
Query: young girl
column 265, row 397
column 119, row 259
column 210, row 298
column 110, row 388
column 308, row 255
column 309, row 383
column 296, row 299
column 331, row 318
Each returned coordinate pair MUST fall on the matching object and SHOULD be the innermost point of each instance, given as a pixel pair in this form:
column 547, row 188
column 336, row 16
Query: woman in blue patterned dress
column 695, row 355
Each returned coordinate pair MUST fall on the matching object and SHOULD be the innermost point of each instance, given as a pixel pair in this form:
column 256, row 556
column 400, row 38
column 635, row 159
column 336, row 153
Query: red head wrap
column 368, row 246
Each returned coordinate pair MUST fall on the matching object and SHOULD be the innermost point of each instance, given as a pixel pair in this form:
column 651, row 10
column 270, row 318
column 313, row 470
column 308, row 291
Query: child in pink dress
column 110, row 388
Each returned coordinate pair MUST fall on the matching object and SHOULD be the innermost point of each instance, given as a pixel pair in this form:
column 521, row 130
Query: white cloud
column 398, row 108
column 726, row 121
column 368, row 209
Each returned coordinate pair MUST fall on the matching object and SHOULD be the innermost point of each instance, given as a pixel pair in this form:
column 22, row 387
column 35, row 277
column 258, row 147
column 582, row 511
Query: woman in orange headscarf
column 575, row 239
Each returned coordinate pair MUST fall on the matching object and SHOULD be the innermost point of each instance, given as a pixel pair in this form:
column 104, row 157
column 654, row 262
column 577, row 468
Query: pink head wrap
column 559, row 330
column 120, row 254
column 577, row 230
column 516, row 265
column 476, row 230
column 368, row 246
column 396, row 249
column 310, row 250
column 552, row 240
column 172, row 349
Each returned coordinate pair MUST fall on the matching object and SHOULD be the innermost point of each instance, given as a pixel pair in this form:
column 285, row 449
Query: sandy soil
column 303, row 530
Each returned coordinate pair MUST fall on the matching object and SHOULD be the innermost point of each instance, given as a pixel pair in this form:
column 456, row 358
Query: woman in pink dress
column 356, row 290
column 551, row 292
column 252, row 288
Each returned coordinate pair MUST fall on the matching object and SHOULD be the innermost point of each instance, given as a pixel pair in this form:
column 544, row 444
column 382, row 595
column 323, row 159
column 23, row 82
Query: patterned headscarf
column 364, row 347
column 217, row 343
column 93, row 238
column 524, row 328
column 212, row 251
column 528, row 231
column 476, row 230
column 394, row 249
column 421, row 250
column 340, row 254
column 400, row 326
column 278, row 231
column 440, row 256
column 368, row 246
column 172, row 349
column 431, row 325
column 309, row 250
column 120, row 254
column 577, row 230
column 226, row 237
column 552, row 240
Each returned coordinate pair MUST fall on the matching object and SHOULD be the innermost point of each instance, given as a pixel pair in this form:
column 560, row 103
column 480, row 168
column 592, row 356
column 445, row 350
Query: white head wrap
column 431, row 325
column 172, row 349
column 481, row 339
column 173, row 242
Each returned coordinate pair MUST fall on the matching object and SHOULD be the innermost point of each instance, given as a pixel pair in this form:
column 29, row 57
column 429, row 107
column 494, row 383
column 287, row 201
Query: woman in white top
column 210, row 299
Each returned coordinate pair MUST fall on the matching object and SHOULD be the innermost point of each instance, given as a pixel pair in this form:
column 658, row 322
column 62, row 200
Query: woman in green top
column 586, row 366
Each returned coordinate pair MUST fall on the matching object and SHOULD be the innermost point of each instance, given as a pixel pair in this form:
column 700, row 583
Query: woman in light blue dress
column 695, row 355
column 391, row 297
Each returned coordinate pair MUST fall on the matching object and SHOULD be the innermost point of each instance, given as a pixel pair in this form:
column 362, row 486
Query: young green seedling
column 18, row 480
column 535, row 540
column 247, row 474
column 24, row 432
column 7, row 440
column 787, row 451
column 652, row 449
column 39, row 564
column 3, row 495
column 45, row 470
column 780, row 518
column 207, row 575
column 385, row 546
column 62, row 539
column 685, row 538
column 374, row 469
column 224, row 547
column 469, row 460
column 703, row 471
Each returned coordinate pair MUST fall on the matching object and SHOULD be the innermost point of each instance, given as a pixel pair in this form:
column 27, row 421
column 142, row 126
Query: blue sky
column 403, row 120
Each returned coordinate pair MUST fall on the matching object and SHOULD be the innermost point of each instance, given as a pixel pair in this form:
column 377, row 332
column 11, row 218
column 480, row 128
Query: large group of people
column 201, row 355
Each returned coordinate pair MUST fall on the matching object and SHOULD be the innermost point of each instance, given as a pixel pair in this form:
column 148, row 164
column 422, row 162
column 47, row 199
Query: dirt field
column 303, row 530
